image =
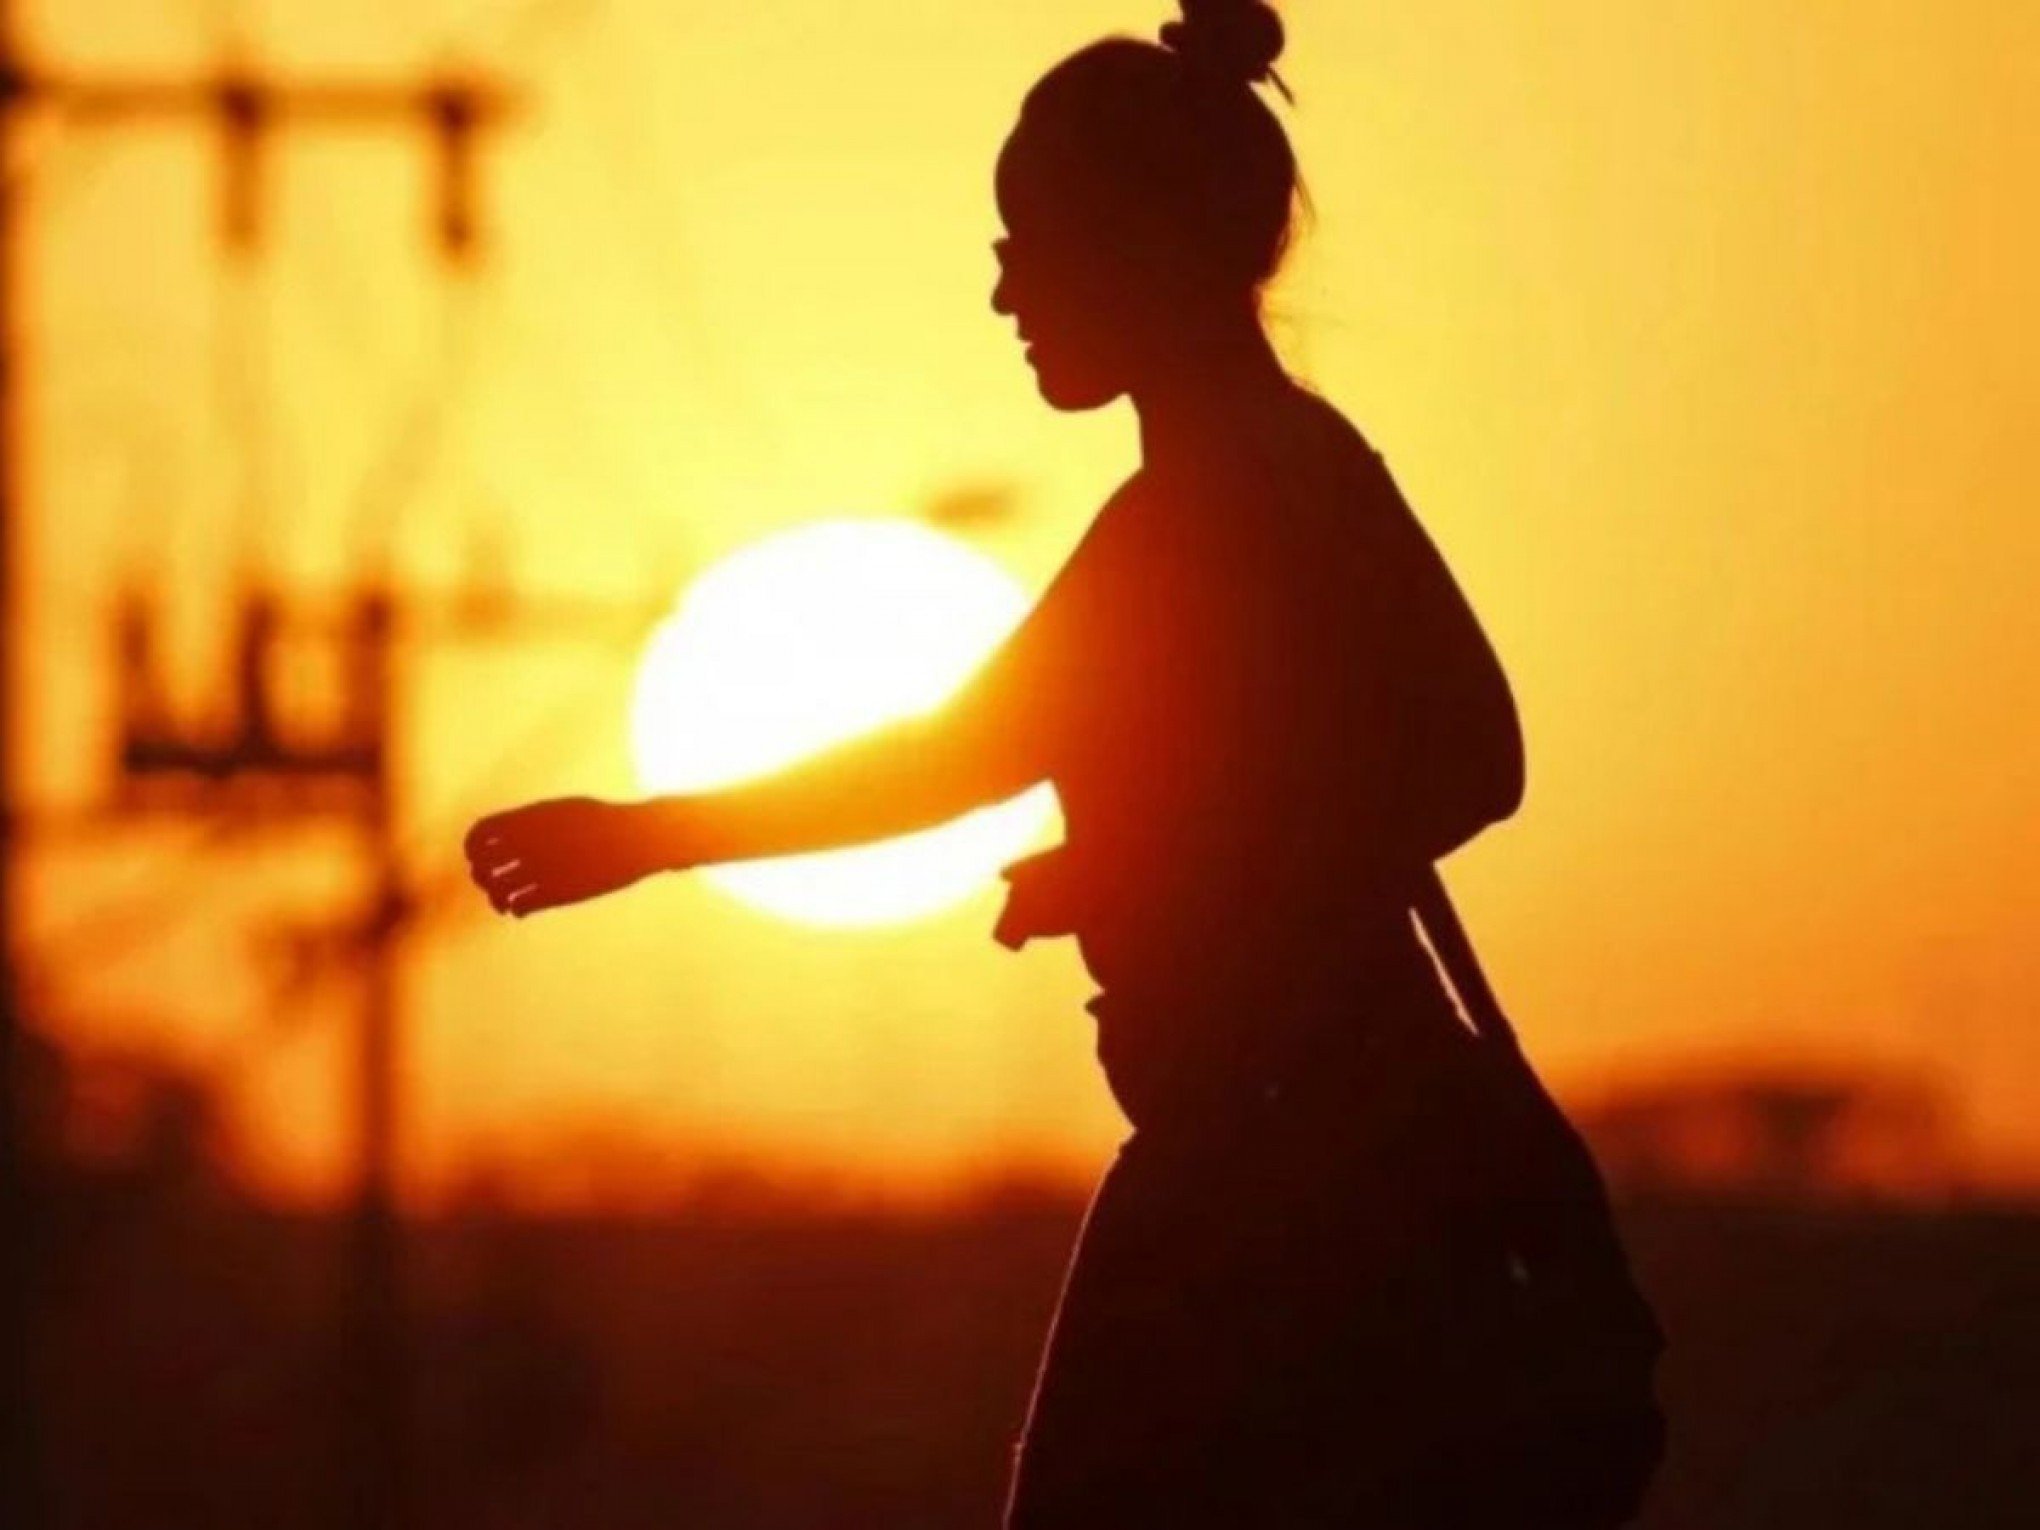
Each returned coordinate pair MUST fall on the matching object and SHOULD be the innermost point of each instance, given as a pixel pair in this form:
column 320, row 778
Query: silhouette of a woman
column 1265, row 706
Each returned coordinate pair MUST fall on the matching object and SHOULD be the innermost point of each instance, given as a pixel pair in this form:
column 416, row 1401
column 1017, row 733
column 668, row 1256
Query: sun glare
column 810, row 637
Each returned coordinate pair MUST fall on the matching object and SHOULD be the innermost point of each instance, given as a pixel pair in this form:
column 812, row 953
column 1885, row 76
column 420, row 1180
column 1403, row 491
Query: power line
column 133, row 913
column 506, row 32
column 664, row 262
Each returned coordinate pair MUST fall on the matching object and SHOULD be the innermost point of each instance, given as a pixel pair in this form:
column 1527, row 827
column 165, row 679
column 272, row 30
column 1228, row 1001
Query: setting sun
column 810, row 637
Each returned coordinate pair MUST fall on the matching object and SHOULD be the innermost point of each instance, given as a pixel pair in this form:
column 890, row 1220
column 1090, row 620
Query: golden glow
column 1703, row 338
column 810, row 637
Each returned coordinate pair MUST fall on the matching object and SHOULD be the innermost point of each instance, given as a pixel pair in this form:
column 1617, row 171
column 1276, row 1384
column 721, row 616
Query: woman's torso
column 1275, row 655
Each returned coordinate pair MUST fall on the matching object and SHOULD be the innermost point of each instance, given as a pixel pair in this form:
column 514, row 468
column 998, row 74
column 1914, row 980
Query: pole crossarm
column 246, row 108
column 448, row 102
column 241, row 758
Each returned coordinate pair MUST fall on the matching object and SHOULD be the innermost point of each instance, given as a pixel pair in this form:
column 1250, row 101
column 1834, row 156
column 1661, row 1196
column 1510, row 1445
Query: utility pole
column 20, row 1223
column 252, row 760
column 246, row 109
column 266, row 766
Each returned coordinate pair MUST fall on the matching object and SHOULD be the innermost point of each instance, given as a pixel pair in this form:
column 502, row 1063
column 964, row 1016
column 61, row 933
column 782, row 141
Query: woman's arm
column 899, row 779
column 990, row 742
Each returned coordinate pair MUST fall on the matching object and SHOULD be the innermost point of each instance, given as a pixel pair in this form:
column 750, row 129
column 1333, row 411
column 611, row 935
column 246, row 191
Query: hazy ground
column 765, row 1368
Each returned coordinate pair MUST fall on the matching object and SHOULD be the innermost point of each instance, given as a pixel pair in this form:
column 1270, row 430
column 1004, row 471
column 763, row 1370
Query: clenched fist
column 564, row 850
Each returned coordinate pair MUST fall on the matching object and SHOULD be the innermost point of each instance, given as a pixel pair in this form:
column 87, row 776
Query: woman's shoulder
column 1313, row 477
column 1290, row 476
column 1324, row 442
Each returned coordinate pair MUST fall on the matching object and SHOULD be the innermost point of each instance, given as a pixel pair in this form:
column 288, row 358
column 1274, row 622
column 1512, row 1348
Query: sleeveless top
column 1261, row 696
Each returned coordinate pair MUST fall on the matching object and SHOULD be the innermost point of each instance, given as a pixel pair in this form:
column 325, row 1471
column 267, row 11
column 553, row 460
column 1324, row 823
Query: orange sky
column 1699, row 334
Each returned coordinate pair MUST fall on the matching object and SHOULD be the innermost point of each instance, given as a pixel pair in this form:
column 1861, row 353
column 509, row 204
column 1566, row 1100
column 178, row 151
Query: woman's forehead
column 1036, row 188
column 1015, row 180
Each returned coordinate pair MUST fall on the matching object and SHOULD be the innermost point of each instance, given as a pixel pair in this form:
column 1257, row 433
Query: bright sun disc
column 802, row 640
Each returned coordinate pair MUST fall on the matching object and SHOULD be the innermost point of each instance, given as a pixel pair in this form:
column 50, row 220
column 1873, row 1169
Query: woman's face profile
column 1074, row 316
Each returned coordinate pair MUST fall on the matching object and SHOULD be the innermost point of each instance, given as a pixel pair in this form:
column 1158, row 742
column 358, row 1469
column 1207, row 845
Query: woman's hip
column 1246, row 1336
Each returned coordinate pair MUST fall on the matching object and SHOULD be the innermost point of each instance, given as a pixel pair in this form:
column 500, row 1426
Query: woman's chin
column 1070, row 391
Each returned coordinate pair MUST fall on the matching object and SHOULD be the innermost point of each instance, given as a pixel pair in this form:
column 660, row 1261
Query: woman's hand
column 565, row 850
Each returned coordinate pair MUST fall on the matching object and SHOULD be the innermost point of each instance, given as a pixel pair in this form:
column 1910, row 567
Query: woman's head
column 1147, row 193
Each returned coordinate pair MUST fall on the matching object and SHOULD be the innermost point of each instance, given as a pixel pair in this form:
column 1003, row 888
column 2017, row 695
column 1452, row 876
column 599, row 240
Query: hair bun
column 1235, row 40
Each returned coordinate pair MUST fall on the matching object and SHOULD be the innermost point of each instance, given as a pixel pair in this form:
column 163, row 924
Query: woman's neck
column 1200, row 385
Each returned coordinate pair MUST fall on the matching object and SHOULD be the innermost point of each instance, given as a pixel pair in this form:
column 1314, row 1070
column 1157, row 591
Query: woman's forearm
column 898, row 780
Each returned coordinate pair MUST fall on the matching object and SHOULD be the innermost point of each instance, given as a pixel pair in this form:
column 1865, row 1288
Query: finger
column 508, row 874
column 532, row 898
column 558, row 888
column 487, row 862
column 507, row 846
column 503, row 894
column 502, row 828
column 485, row 831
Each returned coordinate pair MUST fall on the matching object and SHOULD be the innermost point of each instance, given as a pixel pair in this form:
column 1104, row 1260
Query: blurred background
column 376, row 382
